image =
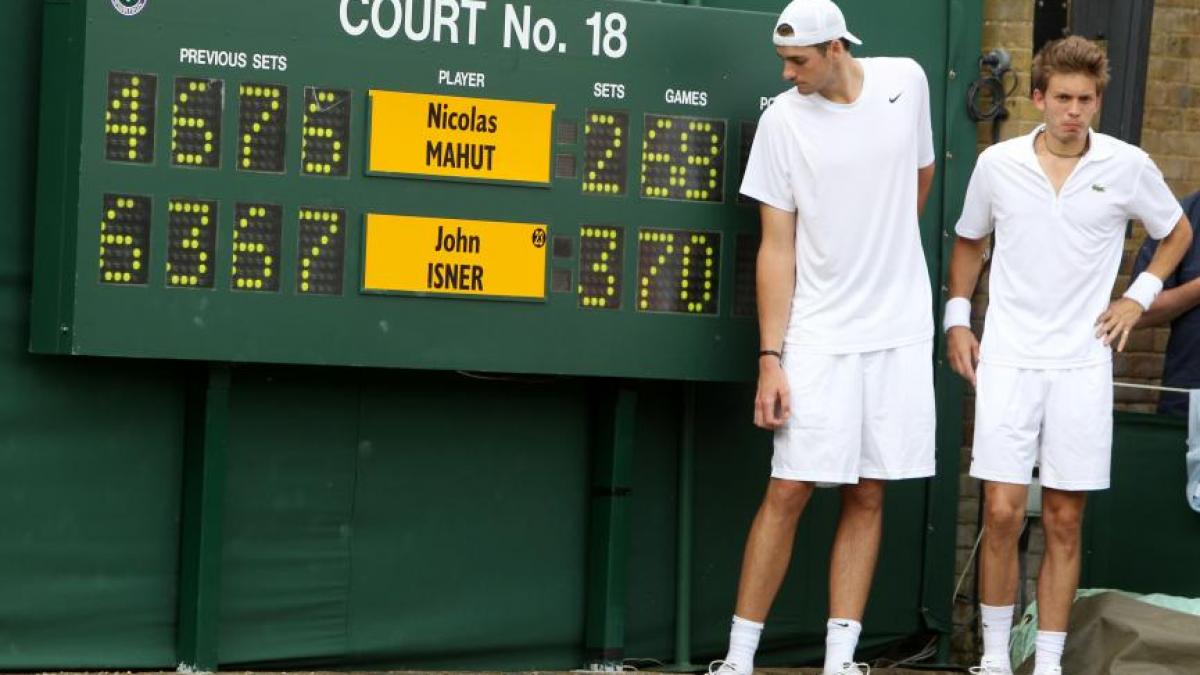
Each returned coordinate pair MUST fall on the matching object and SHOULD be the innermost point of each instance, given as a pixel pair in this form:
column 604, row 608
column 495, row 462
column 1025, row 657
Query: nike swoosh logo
column 894, row 98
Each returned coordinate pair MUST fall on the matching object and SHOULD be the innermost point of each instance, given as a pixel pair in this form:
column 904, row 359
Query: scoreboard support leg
column 608, row 536
column 202, row 516
column 683, row 552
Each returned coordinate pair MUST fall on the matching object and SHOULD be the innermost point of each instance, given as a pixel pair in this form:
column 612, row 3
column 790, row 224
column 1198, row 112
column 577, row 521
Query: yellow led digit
column 129, row 117
column 683, row 158
column 262, row 123
column 320, row 264
column 601, row 266
column 191, row 240
column 325, row 135
column 257, row 239
column 605, row 152
column 678, row 271
column 124, row 239
column 196, row 122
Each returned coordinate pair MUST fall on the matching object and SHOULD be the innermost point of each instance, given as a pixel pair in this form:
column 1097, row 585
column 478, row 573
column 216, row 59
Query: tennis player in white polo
column 841, row 164
column 1058, row 201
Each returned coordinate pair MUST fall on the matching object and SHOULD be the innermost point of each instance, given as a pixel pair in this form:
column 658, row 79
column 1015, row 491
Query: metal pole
column 683, row 552
column 202, row 515
column 608, row 545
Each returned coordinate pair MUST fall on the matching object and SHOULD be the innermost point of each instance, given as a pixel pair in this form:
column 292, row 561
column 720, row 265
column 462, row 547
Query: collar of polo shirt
column 1099, row 149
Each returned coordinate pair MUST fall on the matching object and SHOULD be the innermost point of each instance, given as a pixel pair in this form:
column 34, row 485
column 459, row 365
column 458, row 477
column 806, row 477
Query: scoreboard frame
column 705, row 73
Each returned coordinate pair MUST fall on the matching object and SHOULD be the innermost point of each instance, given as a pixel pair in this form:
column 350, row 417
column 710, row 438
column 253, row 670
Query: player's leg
column 1076, row 458
column 818, row 444
column 1009, row 409
column 898, row 441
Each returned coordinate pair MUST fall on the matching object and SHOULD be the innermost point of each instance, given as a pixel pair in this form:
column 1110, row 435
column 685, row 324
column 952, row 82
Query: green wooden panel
column 89, row 453
column 469, row 524
column 288, row 516
column 1140, row 535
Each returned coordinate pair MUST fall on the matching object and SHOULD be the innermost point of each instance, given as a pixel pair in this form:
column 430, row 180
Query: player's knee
column 1003, row 518
column 867, row 496
column 1062, row 522
column 788, row 496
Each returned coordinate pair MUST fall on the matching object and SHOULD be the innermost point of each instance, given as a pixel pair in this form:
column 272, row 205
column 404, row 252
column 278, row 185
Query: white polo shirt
column 1056, row 256
column 849, row 172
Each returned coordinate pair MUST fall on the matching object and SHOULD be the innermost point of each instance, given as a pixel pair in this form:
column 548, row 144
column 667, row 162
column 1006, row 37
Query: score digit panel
column 325, row 147
column 678, row 271
column 683, row 158
column 262, row 125
column 196, row 122
column 386, row 202
column 129, row 117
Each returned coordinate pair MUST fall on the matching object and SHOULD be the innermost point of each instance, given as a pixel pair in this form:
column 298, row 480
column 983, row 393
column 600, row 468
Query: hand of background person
column 962, row 348
column 773, row 401
column 1116, row 321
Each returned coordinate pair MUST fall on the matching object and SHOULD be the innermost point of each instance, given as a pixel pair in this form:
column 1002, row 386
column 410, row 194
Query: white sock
column 743, row 642
column 997, row 624
column 1049, row 651
column 841, row 638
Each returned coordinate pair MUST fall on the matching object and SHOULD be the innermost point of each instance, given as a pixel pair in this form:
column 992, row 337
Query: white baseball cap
column 812, row 22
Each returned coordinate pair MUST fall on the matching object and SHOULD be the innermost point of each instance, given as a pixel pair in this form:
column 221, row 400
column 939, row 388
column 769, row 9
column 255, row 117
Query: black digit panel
column 683, row 158
column 748, row 131
column 606, row 152
column 129, row 117
column 196, row 122
column 124, row 239
column 321, row 261
column 325, row 146
column 745, row 303
column 256, row 243
column 601, row 262
column 191, row 242
column 678, row 271
column 262, row 121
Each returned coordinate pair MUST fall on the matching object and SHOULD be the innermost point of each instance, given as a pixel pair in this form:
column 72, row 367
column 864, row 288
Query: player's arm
column 962, row 347
column 924, row 185
column 776, row 283
column 1170, row 304
column 1126, row 312
column 966, row 263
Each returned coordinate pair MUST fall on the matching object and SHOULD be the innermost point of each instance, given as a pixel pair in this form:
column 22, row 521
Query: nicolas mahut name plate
column 460, row 138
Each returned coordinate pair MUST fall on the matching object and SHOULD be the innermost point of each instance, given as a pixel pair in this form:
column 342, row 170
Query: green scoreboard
column 546, row 186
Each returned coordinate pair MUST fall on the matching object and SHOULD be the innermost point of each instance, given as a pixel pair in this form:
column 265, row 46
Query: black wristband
column 770, row 352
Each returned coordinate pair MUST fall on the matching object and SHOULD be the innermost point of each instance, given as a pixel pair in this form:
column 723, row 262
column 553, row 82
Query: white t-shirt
column 1056, row 257
column 849, row 172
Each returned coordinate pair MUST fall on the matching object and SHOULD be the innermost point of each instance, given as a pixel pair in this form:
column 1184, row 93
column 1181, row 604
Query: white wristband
column 1144, row 289
column 958, row 313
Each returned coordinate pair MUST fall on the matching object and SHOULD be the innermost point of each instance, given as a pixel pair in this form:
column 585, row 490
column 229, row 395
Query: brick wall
column 1171, row 134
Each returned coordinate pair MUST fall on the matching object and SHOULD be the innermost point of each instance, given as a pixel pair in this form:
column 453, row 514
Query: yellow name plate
column 456, row 137
column 444, row 256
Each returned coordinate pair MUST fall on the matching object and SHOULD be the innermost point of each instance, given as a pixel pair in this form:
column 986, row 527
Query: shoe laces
column 722, row 667
column 854, row 669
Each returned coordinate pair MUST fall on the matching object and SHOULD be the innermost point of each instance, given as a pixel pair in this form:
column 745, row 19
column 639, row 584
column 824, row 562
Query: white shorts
column 867, row 415
column 1061, row 419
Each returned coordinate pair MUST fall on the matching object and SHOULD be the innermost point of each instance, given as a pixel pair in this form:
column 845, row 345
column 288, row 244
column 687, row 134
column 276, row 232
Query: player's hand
column 773, row 401
column 1116, row 322
column 963, row 351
